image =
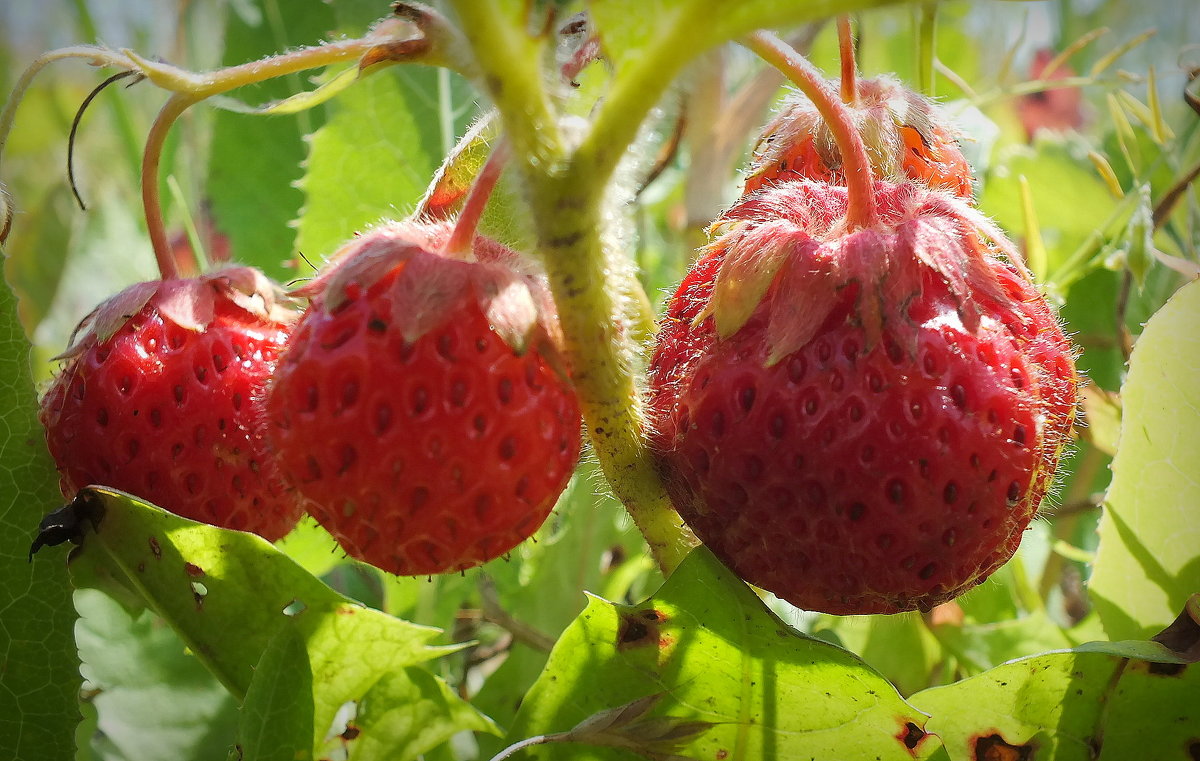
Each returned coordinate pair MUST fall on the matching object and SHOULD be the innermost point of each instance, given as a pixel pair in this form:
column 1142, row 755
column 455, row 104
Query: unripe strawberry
column 160, row 398
column 905, row 137
column 420, row 408
column 865, row 421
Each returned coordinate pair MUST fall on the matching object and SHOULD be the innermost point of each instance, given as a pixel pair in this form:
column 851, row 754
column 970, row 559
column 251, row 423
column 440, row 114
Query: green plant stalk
column 566, row 191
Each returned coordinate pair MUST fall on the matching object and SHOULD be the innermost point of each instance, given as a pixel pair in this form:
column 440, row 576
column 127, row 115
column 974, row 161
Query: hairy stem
column 462, row 237
column 151, row 193
column 849, row 65
column 860, row 180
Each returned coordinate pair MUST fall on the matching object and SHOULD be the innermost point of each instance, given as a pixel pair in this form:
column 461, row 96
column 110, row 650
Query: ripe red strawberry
column 906, row 138
column 866, row 421
column 420, row 408
column 160, row 398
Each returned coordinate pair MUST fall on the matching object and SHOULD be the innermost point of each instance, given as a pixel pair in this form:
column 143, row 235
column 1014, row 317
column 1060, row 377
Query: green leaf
column 277, row 715
column 135, row 668
column 256, row 162
column 1076, row 705
column 409, row 712
column 38, row 661
column 721, row 657
column 373, row 159
column 228, row 593
column 1148, row 562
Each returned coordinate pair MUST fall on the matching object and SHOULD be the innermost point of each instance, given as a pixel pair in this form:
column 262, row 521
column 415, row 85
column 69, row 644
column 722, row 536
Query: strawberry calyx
column 905, row 137
column 429, row 284
column 790, row 237
column 190, row 303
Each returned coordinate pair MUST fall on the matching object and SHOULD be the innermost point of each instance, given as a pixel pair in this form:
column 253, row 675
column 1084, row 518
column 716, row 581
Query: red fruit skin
column 172, row 416
column 905, row 136
column 851, row 477
column 424, row 456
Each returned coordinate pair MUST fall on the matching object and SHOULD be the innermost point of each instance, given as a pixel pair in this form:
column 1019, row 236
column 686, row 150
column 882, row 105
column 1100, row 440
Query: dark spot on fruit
column 974, row 460
column 716, row 424
column 179, row 395
column 314, row 469
column 200, row 435
column 796, row 368
column 176, row 451
column 1013, row 494
column 125, row 384
column 445, row 346
column 347, row 456
column 894, row 352
column 777, row 425
column 222, row 423
column 192, row 483
column 752, row 468
column 867, row 454
column 958, row 395
column 811, row 405
column 949, row 537
column 102, row 417
column 481, row 344
column 201, row 373
column 458, row 392
column 911, row 736
column 813, row 493
column 992, row 476
column 522, row 486
column 700, row 461
column 746, row 398
column 994, row 748
column 504, row 390
column 908, row 563
column 483, row 506
column 836, row 381
column 798, row 463
column 508, row 448
column 854, row 410
column 235, row 400
column 896, row 491
column 950, row 493
column 220, row 361
column 383, row 419
column 131, row 448
column 884, row 541
column 418, row 401
column 972, row 508
column 239, row 485
column 349, row 393
column 1019, row 435
column 376, row 325
column 479, row 423
column 857, row 511
column 874, row 381
column 931, row 365
column 418, row 497
column 824, row 351
column 927, row 570
column 850, row 349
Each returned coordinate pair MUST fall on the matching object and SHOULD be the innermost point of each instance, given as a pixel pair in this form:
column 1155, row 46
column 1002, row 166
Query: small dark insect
column 66, row 524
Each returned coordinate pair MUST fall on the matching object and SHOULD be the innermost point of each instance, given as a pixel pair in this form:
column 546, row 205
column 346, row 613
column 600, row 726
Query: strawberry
column 906, row 137
column 859, row 420
column 420, row 408
column 159, row 398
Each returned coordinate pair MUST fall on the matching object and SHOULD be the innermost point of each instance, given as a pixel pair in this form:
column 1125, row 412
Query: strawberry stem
column 151, row 193
column 860, row 179
column 849, row 67
column 461, row 242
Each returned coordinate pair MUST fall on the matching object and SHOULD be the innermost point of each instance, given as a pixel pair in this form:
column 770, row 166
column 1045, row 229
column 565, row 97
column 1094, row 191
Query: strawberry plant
column 637, row 406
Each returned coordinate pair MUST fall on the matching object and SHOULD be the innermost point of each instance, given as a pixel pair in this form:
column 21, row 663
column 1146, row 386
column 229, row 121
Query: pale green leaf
column 409, row 712
column 718, row 654
column 228, row 593
column 137, row 667
column 277, row 715
column 1148, row 562
column 38, row 661
column 1076, row 705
